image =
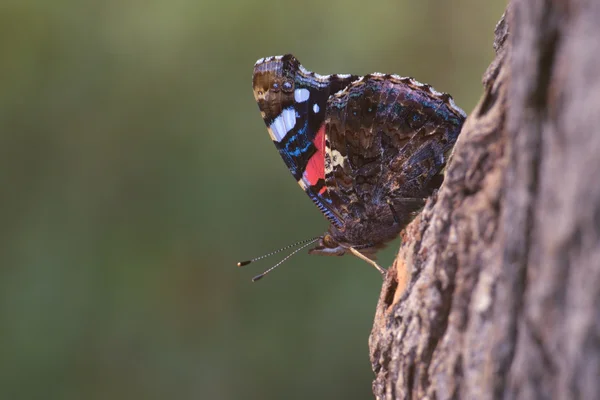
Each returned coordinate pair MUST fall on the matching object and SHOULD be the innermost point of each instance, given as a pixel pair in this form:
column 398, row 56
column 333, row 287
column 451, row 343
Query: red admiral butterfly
column 367, row 150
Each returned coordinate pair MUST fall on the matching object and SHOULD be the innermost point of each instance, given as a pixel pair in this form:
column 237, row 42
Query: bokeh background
column 135, row 171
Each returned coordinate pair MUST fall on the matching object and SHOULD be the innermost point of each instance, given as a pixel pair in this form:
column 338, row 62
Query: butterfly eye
column 328, row 241
column 275, row 87
column 260, row 92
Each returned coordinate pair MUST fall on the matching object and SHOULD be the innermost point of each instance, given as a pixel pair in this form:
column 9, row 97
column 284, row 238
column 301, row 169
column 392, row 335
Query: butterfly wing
column 293, row 101
column 387, row 140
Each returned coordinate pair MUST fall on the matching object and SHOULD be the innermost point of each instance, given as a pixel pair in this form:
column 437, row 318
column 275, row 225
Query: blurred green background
column 136, row 171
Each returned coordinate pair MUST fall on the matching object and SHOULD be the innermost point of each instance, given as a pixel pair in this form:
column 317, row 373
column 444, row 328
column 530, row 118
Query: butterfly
column 367, row 151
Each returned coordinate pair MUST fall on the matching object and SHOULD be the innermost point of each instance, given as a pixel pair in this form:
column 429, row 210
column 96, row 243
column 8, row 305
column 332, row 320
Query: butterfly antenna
column 259, row 276
column 308, row 241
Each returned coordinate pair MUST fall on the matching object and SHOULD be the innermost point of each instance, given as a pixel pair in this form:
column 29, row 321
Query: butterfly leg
column 396, row 218
column 367, row 259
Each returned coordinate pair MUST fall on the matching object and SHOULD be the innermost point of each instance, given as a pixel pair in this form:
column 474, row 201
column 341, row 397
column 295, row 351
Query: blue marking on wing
column 299, row 143
column 326, row 211
column 296, row 144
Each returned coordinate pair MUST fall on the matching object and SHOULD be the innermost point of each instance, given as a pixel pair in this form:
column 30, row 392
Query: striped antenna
column 304, row 243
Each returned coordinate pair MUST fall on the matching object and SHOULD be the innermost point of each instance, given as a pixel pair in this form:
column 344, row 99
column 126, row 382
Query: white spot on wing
column 267, row 59
column 301, row 95
column 277, row 129
column 435, row 92
column 284, row 123
column 304, row 70
column 316, row 108
column 333, row 158
column 289, row 117
column 457, row 108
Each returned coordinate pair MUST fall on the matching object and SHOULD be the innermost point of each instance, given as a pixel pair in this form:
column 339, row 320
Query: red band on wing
column 315, row 169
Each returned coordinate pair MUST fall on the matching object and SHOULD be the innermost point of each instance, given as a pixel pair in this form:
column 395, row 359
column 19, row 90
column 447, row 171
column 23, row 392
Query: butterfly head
column 339, row 241
column 328, row 246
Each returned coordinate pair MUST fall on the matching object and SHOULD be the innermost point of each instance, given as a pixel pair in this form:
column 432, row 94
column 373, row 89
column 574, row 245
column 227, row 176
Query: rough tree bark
column 495, row 292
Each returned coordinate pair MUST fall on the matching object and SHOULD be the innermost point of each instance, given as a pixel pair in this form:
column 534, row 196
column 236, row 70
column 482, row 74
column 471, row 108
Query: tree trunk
column 495, row 292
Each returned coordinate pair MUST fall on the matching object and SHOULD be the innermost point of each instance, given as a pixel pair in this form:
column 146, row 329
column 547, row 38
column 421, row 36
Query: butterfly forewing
column 293, row 103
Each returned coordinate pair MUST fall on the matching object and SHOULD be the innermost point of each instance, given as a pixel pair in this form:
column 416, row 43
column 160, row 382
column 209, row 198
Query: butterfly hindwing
column 387, row 140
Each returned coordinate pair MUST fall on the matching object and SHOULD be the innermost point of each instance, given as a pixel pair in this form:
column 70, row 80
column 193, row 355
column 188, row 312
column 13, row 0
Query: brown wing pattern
column 386, row 143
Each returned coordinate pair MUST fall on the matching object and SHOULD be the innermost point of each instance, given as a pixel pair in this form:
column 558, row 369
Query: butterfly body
column 367, row 150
